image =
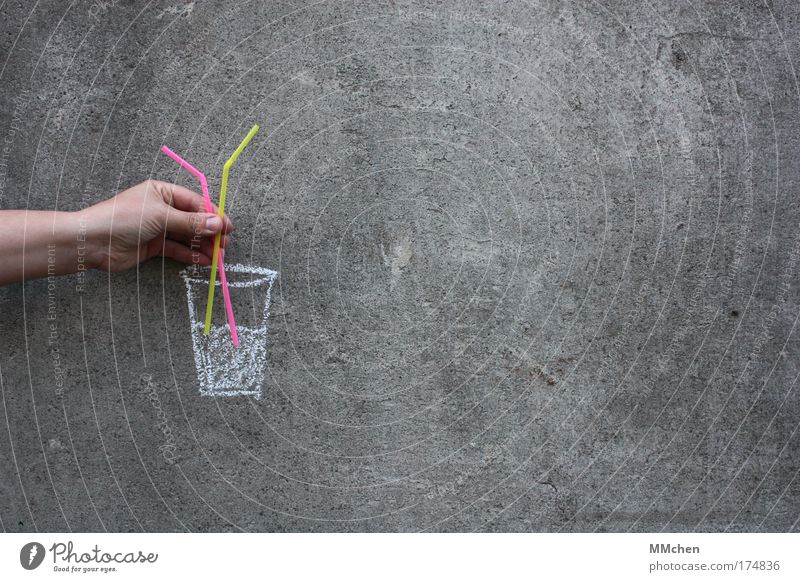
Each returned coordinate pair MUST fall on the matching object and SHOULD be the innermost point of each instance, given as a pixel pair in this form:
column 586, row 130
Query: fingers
column 180, row 252
column 188, row 250
column 195, row 223
column 205, row 245
column 186, row 200
column 180, row 197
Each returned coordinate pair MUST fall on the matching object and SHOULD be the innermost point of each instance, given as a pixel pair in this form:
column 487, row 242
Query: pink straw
column 210, row 209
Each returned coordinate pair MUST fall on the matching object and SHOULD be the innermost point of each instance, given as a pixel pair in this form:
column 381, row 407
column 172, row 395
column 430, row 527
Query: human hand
column 151, row 219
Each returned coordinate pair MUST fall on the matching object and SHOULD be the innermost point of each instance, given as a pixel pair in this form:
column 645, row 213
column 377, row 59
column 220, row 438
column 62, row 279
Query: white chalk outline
column 191, row 275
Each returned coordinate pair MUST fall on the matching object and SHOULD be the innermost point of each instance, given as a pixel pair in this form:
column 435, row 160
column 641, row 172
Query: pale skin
column 148, row 220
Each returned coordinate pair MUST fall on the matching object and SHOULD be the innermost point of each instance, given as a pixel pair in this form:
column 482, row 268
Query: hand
column 151, row 219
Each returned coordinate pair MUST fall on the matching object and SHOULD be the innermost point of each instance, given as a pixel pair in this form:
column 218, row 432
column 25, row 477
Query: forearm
column 41, row 243
column 148, row 220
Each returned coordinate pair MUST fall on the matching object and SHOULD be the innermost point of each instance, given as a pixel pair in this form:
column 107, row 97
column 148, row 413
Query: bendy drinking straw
column 209, row 208
column 225, row 171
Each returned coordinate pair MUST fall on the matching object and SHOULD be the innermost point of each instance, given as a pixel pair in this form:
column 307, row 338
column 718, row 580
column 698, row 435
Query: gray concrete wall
column 538, row 266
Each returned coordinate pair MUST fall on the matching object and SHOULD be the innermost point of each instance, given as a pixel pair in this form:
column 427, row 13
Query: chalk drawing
column 222, row 368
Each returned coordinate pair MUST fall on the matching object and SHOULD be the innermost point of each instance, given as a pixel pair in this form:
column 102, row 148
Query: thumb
column 193, row 223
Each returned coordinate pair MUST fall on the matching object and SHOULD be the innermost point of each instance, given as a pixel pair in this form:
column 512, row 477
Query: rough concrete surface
column 538, row 266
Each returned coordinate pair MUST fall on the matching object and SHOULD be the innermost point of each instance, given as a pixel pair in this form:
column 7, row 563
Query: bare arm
column 150, row 219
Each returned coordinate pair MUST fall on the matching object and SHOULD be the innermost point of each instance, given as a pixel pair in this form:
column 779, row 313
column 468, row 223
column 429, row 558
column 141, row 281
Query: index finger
column 182, row 198
column 189, row 201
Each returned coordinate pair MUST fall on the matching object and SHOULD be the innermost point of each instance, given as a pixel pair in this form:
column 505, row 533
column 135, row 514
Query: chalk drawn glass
column 222, row 369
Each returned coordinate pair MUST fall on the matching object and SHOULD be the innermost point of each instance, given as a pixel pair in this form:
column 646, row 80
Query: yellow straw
column 225, row 170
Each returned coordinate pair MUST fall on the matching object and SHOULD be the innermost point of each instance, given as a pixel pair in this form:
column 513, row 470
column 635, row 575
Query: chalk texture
column 224, row 369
